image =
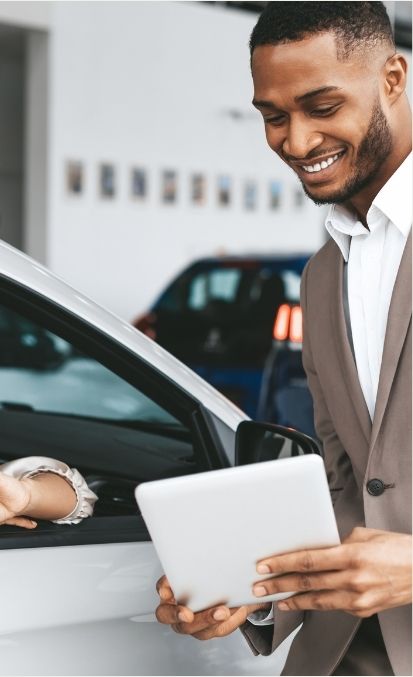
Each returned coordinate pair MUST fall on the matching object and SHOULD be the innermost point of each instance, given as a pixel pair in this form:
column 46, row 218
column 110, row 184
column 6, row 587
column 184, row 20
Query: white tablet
column 210, row 529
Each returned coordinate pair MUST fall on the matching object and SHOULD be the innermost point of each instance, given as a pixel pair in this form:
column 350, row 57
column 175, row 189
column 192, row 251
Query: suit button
column 375, row 487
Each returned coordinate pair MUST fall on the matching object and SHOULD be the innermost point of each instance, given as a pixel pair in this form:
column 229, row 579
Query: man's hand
column 215, row 622
column 369, row 572
column 15, row 496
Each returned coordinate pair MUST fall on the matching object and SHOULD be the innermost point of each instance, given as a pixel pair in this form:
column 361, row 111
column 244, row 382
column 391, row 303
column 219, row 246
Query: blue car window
column 197, row 298
column 291, row 281
column 213, row 285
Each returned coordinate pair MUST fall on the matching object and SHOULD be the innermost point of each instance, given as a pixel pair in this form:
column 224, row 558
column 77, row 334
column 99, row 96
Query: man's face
column 322, row 116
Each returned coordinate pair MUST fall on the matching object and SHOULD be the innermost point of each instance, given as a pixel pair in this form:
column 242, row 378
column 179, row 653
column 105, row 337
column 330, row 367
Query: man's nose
column 301, row 139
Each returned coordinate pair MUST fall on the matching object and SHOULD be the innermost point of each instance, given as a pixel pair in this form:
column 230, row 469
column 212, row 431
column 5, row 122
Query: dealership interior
column 151, row 246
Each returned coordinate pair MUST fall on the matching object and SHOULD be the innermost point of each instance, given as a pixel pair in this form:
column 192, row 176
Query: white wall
column 148, row 83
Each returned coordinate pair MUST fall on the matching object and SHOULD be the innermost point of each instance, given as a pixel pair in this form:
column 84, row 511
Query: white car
column 79, row 384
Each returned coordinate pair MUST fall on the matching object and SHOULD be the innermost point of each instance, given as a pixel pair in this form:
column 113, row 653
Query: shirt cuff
column 262, row 617
column 30, row 466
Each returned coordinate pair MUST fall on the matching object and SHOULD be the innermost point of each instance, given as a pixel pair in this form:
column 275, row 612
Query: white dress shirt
column 373, row 257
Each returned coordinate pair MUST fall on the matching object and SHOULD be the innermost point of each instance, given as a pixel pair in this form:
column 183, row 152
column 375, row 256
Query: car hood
column 27, row 272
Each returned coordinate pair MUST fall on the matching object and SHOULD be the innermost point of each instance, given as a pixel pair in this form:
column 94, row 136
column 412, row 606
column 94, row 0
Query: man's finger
column 187, row 621
column 320, row 601
column 164, row 590
column 237, row 618
column 304, row 561
column 170, row 614
column 332, row 580
column 204, row 621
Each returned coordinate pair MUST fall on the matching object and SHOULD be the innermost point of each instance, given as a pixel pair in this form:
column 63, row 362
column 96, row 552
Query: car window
column 292, row 281
column 118, row 426
column 213, row 285
column 40, row 370
column 239, row 287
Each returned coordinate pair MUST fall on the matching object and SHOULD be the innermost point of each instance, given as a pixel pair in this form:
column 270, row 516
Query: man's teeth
column 321, row 165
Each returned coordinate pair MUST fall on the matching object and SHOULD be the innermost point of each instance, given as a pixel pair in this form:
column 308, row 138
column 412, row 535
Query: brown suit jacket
column 355, row 450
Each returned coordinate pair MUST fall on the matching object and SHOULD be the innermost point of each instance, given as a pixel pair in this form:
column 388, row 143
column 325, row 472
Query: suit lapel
column 400, row 313
column 344, row 354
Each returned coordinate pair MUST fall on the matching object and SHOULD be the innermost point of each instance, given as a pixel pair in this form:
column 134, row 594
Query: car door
column 80, row 600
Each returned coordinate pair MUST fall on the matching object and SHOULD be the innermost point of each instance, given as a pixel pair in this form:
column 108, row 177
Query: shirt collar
column 394, row 199
column 392, row 202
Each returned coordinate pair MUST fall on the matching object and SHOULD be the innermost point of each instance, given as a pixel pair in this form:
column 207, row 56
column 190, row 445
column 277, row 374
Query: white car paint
column 89, row 609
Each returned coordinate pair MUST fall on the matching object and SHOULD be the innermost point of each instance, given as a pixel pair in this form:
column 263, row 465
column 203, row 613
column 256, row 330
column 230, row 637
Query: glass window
column 214, row 285
column 197, row 298
column 43, row 371
column 291, row 281
column 57, row 401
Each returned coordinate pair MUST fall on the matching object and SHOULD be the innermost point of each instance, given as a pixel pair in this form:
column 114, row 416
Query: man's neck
column 361, row 203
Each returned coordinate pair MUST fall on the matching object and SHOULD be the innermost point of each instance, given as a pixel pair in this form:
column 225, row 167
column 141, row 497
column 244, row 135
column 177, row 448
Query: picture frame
column 107, row 180
column 198, row 188
column 224, row 190
column 74, row 178
column 138, row 183
column 169, row 188
column 299, row 197
column 275, row 194
column 250, row 195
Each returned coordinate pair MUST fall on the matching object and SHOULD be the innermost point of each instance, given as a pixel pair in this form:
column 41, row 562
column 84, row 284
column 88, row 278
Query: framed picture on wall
column 250, row 195
column 74, row 178
column 275, row 194
column 224, row 190
column 198, row 189
column 107, row 180
column 299, row 197
column 169, row 186
column 138, row 183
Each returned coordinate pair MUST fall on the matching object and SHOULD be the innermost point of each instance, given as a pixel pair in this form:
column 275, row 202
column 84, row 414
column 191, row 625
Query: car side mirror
column 257, row 442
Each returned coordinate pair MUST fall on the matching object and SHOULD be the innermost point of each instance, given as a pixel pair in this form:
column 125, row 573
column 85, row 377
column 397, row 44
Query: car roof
column 25, row 271
column 256, row 259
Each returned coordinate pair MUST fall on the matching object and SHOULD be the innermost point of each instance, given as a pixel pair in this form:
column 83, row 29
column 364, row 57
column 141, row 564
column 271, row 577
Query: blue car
column 218, row 317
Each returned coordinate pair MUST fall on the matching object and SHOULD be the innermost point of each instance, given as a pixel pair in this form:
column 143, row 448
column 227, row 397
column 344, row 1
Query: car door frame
column 138, row 373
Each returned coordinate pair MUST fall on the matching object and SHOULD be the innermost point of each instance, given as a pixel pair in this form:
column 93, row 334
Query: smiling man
column 330, row 86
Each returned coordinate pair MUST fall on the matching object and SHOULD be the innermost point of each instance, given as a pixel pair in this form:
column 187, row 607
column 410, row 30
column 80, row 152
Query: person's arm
column 43, row 488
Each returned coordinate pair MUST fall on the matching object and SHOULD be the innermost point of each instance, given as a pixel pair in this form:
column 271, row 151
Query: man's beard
column 372, row 152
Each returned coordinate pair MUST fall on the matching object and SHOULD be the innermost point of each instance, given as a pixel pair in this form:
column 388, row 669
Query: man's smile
column 319, row 169
column 322, row 164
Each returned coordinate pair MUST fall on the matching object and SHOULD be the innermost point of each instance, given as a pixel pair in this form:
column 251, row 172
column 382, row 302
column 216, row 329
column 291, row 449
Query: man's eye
column 275, row 120
column 324, row 112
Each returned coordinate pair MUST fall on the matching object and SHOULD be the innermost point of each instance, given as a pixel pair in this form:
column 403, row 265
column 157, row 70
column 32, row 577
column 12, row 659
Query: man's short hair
column 357, row 25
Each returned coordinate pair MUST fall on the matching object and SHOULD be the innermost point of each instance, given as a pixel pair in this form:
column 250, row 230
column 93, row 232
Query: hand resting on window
column 37, row 487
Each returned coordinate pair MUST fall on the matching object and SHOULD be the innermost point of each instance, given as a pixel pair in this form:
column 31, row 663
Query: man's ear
column 395, row 70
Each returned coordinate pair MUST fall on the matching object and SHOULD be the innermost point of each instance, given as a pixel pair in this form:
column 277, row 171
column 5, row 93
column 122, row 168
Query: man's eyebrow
column 263, row 104
column 315, row 92
column 298, row 99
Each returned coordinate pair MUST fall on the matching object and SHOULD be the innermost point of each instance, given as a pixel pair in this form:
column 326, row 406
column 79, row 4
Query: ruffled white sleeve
column 29, row 466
